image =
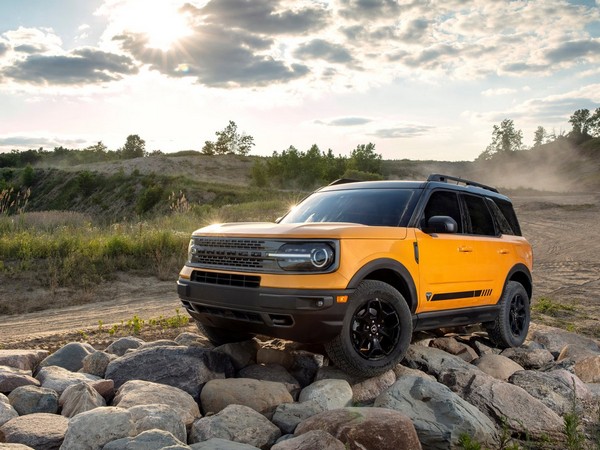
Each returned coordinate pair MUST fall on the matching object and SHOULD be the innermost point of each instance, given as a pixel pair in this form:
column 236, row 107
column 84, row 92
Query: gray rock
column 452, row 346
column 79, row 398
column 158, row 417
column 484, row 347
column 365, row 392
column 22, row 359
column 34, row 399
column 575, row 353
column 15, row 447
column 96, row 363
column 330, row 394
column 193, row 339
column 594, row 388
column 138, row 392
column 497, row 366
column 529, row 358
column 403, row 371
column 364, row 428
column 147, row 440
column 555, row 339
column 588, row 370
column 39, row 431
column 236, row 423
column 158, row 343
column 556, row 389
column 242, row 354
column 69, row 357
column 333, row 373
column 58, row 379
column 11, row 378
column 439, row 415
column 305, row 366
column 288, row 415
column 311, row 440
column 434, row 361
column 187, row 368
column 106, row 388
column 221, row 444
column 272, row 372
column 261, row 396
column 93, row 429
column 121, row 345
column 7, row 412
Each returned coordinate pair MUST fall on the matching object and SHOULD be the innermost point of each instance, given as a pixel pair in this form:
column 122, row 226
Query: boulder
column 158, row 343
column 69, row 357
column 330, row 394
column 497, row 366
column 236, row 423
column 187, row 338
column 261, row 396
column 121, row 345
column 11, row 378
column 106, row 388
column 588, row 369
column 302, row 364
column 58, row 378
column 575, row 353
column 434, row 361
column 79, row 398
column 14, row 447
column 529, row 358
column 34, row 399
column 311, row 440
column 93, row 429
column 22, row 359
column 187, row 368
column 362, row 428
column 242, row 354
column 138, row 392
column 403, row 371
column 97, row 362
column 221, row 444
column 555, row 339
column 365, row 392
column 439, row 415
column 147, row 440
column 557, row 389
column 158, row 417
column 39, row 431
column 452, row 346
column 305, row 366
column 7, row 412
column 288, row 415
column 272, row 372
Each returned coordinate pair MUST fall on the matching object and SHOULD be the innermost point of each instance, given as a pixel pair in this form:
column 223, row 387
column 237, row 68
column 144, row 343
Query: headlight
column 304, row 257
column 190, row 250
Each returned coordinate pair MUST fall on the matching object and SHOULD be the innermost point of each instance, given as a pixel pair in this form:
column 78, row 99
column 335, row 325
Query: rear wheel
column 220, row 336
column 376, row 331
column 512, row 323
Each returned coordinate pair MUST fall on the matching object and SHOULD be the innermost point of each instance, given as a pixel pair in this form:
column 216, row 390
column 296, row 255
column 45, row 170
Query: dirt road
column 563, row 229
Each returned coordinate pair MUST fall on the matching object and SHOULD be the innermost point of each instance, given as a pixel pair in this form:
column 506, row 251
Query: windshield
column 375, row 207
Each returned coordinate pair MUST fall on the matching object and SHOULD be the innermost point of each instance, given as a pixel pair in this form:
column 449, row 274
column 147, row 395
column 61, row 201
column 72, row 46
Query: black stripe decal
column 458, row 295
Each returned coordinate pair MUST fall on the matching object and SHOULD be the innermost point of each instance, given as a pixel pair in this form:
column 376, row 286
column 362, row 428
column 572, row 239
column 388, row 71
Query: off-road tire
column 377, row 316
column 512, row 323
column 220, row 336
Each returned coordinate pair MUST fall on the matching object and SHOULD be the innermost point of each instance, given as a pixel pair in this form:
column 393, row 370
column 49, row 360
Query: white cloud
column 497, row 92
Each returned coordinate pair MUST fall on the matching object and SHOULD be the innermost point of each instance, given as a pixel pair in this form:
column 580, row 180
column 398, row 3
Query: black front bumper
column 302, row 315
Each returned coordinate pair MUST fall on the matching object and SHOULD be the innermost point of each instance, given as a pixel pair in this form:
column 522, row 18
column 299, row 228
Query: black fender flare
column 394, row 266
column 519, row 269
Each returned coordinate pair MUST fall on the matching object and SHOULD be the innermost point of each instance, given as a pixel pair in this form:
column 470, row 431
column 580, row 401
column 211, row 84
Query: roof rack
column 342, row 181
column 447, row 178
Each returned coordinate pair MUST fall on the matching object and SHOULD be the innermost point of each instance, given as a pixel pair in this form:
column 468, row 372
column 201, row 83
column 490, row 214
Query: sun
column 161, row 22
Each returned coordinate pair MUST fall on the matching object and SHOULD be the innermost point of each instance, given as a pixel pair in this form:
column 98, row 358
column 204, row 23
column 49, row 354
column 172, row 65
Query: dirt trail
column 563, row 229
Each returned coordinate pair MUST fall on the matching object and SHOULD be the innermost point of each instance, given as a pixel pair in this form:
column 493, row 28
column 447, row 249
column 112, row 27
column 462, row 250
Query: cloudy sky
column 420, row 79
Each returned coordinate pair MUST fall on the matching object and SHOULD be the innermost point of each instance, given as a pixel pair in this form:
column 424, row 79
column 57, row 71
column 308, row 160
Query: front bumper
column 302, row 315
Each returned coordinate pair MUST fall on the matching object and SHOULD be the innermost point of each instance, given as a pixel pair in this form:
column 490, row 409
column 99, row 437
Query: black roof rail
column 447, row 178
column 342, row 181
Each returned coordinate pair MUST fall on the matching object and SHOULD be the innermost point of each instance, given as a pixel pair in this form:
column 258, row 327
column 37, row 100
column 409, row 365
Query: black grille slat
column 229, row 313
column 226, row 279
column 244, row 254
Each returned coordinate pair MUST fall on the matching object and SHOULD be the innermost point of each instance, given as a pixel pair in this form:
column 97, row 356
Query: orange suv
column 359, row 266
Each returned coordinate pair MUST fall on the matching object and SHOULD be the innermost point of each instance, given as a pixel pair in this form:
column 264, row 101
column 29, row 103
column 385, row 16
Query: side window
column 509, row 214
column 443, row 203
column 501, row 221
column 479, row 214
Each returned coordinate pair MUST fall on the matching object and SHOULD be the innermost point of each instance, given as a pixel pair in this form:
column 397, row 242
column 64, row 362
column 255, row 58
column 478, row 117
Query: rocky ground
column 451, row 391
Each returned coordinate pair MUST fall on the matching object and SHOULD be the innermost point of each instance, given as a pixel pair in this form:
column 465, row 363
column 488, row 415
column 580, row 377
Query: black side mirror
column 441, row 224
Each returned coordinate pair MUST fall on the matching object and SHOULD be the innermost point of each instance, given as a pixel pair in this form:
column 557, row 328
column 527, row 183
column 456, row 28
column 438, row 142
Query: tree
column 134, row 147
column 229, row 141
column 505, row 139
column 594, row 123
column 539, row 137
column 364, row 159
column 580, row 121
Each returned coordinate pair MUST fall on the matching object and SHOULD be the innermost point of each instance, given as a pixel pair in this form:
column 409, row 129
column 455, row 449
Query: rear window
column 509, row 214
column 374, row 207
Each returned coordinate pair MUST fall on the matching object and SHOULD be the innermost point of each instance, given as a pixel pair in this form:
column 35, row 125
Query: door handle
column 503, row 251
column 465, row 249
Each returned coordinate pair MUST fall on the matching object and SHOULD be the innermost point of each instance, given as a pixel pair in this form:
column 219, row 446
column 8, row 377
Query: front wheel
column 376, row 331
column 512, row 323
column 220, row 336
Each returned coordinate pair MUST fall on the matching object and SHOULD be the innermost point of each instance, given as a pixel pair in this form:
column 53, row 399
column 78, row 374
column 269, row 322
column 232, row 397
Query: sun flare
column 161, row 22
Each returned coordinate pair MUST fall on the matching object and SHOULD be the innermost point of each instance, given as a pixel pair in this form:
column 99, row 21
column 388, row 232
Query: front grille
column 241, row 254
column 226, row 279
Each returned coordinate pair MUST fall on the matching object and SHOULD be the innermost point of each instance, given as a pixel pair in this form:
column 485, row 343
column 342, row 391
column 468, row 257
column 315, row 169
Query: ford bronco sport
column 359, row 266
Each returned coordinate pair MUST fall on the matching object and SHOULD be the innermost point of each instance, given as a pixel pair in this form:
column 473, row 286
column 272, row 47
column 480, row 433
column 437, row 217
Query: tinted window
column 501, row 221
column 509, row 213
column 479, row 214
column 375, row 207
column 443, row 203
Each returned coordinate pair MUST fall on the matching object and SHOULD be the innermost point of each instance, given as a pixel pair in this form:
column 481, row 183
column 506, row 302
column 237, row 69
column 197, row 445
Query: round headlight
column 305, row 256
column 321, row 257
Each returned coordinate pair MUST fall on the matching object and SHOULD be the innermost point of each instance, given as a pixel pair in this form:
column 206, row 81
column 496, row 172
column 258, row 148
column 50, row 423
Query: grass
column 550, row 307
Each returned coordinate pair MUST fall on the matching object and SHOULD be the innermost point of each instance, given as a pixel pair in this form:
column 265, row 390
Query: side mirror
column 441, row 224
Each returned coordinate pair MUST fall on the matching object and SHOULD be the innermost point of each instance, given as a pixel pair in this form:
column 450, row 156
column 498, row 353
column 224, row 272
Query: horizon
column 330, row 73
